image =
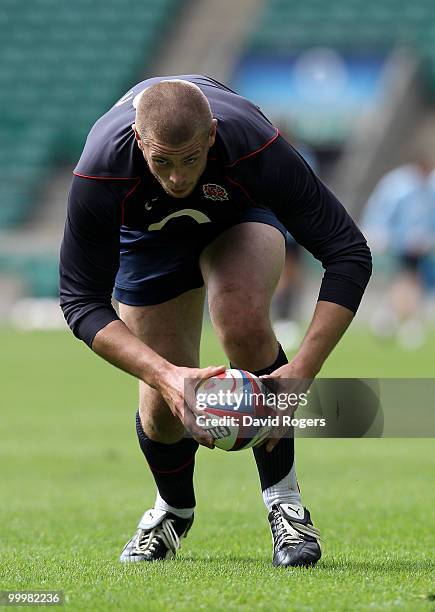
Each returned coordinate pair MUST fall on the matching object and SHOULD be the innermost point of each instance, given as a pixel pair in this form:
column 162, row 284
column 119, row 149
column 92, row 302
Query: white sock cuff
column 160, row 504
column 286, row 491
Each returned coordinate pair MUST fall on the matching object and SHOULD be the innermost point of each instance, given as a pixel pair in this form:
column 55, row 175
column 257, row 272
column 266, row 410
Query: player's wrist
column 304, row 366
column 156, row 373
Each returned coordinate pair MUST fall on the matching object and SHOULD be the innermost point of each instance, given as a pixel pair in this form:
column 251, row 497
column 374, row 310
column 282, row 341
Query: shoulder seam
column 107, row 178
column 123, row 203
column 264, row 146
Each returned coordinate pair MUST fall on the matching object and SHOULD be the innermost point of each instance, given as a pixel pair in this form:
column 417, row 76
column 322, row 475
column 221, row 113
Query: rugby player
column 184, row 185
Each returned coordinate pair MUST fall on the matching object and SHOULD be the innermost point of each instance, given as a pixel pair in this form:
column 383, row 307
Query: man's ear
column 212, row 133
column 137, row 137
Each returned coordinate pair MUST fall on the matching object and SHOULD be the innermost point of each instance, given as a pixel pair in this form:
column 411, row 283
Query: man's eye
column 160, row 162
column 191, row 160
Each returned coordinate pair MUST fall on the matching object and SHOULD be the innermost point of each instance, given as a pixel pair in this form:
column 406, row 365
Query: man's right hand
column 119, row 346
column 177, row 386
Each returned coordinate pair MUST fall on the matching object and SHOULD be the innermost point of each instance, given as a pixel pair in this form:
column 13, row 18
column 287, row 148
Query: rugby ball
column 234, row 409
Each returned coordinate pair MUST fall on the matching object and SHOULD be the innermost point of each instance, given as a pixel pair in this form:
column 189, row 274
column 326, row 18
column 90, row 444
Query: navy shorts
column 158, row 266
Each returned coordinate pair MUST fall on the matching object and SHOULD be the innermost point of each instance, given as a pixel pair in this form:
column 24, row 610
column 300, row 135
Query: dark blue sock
column 172, row 466
column 273, row 466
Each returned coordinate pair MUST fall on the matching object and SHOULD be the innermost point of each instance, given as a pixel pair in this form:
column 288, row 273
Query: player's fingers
column 271, row 443
column 202, row 437
column 190, row 398
column 197, row 432
column 212, row 371
column 270, row 382
column 190, row 403
column 275, row 436
column 198, row 375
column 208, row 442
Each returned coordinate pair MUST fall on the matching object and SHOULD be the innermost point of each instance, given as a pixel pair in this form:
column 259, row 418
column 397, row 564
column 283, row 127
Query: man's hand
column 329, row 323
column 290, row 381
column 177, row 387
column 119, row 346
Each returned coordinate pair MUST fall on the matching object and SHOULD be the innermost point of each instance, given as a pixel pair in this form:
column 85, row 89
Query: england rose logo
column 214, row 192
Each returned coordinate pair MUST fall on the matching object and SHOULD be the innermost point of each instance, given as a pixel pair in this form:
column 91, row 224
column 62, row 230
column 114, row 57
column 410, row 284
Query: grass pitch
column 74, row 484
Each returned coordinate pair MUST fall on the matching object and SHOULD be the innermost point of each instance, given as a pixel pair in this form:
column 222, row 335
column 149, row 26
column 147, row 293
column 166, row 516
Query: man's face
column 178, row 168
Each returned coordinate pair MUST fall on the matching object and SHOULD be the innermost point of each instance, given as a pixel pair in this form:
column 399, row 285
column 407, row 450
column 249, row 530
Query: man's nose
column 177, row 177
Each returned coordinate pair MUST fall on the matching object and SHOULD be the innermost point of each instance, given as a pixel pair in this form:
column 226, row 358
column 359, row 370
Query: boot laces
column 286, row 535
column 148, row 540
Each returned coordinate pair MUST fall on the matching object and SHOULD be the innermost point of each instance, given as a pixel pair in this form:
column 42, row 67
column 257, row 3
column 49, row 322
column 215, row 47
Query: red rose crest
column 214, row 192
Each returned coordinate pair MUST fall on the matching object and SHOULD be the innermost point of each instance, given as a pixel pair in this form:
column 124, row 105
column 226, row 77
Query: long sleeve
column 89, row 256
column 312, row 214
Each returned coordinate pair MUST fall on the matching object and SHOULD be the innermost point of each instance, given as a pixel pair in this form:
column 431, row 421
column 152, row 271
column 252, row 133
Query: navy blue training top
column 250, row 161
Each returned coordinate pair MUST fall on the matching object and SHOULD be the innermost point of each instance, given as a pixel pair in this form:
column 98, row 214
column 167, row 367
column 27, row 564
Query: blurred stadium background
column 353, row 84
column 351, row 81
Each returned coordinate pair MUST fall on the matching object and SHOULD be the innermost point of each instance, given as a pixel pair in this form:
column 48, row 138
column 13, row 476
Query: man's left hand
column 289, row 381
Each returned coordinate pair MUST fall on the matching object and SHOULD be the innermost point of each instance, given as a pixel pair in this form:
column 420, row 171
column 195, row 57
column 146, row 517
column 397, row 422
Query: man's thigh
column 172, row 329
column 241, row 269
column 244, row 263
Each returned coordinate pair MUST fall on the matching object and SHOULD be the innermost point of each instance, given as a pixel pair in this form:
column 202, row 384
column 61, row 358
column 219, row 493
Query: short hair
column 172, row 112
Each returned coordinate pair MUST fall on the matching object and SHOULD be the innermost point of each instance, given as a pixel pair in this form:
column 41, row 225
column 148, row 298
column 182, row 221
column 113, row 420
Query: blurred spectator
column 399, row 220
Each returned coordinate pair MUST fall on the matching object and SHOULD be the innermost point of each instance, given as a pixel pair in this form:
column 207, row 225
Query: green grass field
column 74, row 484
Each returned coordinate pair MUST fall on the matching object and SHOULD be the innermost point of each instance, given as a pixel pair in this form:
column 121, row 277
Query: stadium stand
column 349, row 25
column 63, row 64
column 38, row 273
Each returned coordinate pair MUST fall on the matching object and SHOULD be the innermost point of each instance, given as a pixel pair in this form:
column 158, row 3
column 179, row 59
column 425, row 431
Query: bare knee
column 246, row 334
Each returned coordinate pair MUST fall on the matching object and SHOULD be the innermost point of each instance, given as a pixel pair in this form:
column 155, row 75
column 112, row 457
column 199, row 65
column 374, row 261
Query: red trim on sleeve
column 107, row 178
column 138, row 180
column 266, row 144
